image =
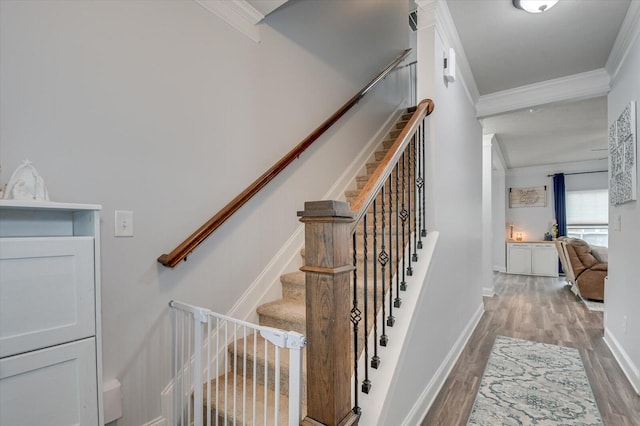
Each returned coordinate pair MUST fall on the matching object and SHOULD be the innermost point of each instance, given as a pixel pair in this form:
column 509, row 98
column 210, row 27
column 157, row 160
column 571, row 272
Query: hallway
column 543, row 310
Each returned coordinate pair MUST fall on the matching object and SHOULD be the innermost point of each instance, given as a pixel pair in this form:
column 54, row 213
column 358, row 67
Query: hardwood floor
column 542, row 310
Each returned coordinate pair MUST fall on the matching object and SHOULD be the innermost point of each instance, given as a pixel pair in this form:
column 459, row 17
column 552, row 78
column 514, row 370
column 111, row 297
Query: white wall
column 487, row 215
column 622, row 291
column 533, row 222
column 164, row 109
column 453, row 293
column 498, row 209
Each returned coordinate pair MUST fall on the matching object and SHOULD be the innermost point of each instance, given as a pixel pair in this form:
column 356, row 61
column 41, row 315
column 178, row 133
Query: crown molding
column 571, row 88
column 567, row 167
column 427, row 14
column 436, row 13
column 627, row 35
column 449, row 34
column 237, row 13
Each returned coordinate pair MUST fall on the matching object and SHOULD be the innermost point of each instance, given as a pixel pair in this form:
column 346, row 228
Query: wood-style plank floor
column 542, row 310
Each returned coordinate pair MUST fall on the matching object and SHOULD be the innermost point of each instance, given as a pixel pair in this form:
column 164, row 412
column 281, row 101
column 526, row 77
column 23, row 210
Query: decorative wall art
column 623, row 174
column 534, row 196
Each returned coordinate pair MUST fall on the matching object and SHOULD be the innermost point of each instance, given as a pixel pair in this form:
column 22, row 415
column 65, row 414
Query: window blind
column 589, row 207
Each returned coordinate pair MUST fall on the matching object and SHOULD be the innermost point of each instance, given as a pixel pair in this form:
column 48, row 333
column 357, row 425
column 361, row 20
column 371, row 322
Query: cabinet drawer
column 47, row 292
column 56, row 386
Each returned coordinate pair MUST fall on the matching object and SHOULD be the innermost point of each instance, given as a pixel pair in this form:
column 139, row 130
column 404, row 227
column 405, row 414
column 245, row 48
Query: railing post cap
column 326, row 208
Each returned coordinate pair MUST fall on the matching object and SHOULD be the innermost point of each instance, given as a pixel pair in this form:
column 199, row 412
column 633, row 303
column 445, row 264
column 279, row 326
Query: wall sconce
column 450, row 65
column 518, row 236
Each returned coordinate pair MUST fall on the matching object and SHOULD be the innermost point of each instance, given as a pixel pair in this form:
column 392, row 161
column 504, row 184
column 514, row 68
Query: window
column 588, row 216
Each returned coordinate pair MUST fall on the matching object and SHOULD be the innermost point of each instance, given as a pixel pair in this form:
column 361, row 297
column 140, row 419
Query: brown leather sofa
column 586, row 272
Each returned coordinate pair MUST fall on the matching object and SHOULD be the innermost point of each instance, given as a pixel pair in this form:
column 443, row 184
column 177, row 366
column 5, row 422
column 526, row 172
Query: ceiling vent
column 413, row 20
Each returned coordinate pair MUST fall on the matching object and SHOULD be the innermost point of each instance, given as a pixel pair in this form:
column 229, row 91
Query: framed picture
column 533, row 196
column 623, row 179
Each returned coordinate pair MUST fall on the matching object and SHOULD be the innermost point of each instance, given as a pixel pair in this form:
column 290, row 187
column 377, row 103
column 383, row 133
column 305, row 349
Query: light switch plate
column 124, row 223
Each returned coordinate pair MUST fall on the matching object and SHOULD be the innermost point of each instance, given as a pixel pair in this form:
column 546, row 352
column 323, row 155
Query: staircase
column 288, row 313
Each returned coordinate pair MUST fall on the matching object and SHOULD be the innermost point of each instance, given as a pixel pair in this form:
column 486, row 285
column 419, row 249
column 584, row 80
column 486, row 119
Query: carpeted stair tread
column 234, row 412
column 258, row 343
column 401, row 123
column 283, row 314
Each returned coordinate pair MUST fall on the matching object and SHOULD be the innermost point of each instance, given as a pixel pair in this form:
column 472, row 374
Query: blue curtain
column 560, row 203
column 560, row 206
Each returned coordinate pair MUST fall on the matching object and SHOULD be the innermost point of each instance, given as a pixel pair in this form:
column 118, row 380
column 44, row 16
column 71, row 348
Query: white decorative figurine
column 26, row 184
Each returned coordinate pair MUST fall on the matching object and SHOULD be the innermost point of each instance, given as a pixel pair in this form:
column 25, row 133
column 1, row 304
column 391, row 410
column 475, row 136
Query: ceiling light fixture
column 534, row 6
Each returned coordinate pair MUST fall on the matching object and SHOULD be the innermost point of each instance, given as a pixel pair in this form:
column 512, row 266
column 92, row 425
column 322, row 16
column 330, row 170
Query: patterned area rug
column 529, row 383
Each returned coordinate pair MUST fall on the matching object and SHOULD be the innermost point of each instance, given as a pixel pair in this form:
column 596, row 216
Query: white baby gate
column 234, row 396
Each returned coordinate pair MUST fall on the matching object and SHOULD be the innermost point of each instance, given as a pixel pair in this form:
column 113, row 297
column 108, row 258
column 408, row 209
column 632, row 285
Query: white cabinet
column 532, row 258
column 50, row 344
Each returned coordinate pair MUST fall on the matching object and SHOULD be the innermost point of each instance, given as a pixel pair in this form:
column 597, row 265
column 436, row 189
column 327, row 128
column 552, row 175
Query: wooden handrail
column 187, row 246
column 372, row 187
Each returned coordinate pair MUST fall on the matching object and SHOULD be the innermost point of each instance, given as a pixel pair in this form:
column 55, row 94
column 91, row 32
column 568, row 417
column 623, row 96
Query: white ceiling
column 507, row 48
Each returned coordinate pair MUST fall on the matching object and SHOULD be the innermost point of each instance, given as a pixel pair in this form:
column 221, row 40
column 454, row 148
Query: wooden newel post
column 328, row 299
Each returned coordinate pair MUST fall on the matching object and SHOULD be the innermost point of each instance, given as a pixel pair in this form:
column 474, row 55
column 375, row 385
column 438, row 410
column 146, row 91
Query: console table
column 532, row 258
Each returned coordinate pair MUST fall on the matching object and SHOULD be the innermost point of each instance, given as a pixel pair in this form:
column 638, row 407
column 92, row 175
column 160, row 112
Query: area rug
column 530, row 383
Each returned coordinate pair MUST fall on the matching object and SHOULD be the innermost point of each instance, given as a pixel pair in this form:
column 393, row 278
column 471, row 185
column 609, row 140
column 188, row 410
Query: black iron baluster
column 420, row 185
column 375, row 360
column 397, row 301
column 403, row 217
column 416, row 200
column 366, row 384
column 410, row 186
column 423, row 232
column 355, row 320
column 390, row 319
column 383, row 258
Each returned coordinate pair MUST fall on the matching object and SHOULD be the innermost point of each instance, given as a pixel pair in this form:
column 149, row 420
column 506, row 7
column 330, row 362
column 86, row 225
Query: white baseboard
column 626, row 364
column 488, row 292
column 430, row 392
column 499, row 268
column 160, row 421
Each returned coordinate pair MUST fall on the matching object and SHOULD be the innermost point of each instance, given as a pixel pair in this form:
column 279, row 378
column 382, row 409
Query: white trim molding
column 575, row 87
column 160, row 421
column 237, row 13
column 624, row 360
column 628, row 33
column 449, row 33
column 432, row 389
column 436, row 13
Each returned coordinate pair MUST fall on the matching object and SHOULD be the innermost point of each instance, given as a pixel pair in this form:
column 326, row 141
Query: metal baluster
column 397, row 301
column 423, row 232
column 419, row 184
column 390, row 319
column 355, row 320
column 366, row 384
column 403, row 216
column 383, row 258
column 416, row 200
column 410, row 187
column 375, row 360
